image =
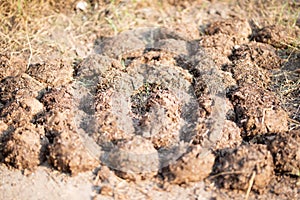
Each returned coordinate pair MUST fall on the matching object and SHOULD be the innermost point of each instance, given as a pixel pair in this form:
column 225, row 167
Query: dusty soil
column 188, row 100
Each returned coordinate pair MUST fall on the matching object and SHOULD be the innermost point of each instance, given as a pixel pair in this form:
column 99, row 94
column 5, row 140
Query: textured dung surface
column 195, row 165
column 186, row 110
column 286, row 150
column 25, row 148
column 156, row 85
column 235, row 168
column 68, row 154
column 258, row 111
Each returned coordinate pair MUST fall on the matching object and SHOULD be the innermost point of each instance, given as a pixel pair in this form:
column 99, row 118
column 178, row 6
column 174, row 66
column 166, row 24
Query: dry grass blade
column 251, row 181
column 226, row 173
column 30, row 48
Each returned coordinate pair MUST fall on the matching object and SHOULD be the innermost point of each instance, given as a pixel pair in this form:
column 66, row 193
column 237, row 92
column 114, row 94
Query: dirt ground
column 146, row 99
